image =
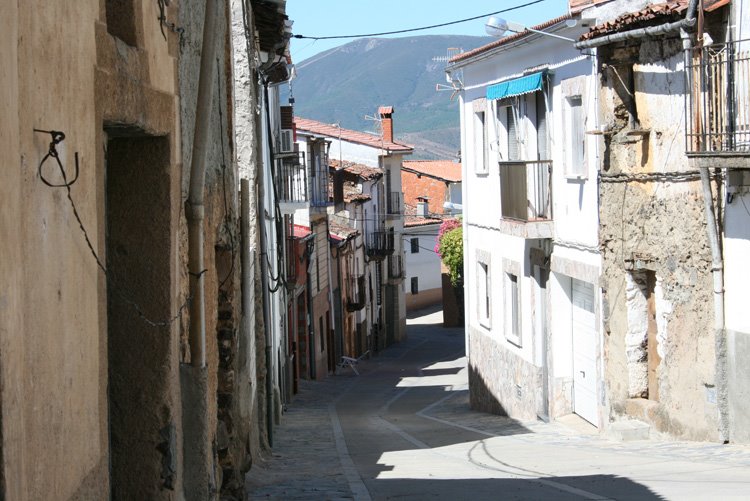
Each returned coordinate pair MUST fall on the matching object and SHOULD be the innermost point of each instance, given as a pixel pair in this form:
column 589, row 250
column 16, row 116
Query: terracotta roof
column 352, row 194
column 651, row 15
column 363, row 171
column 446, row 170
column 411, row 219
column 352, row 136
column 299, row 231
column 508, row 39
column 339, row 231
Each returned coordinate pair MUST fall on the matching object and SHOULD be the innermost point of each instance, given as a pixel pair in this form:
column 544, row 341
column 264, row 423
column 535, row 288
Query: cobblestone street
column 403, row 429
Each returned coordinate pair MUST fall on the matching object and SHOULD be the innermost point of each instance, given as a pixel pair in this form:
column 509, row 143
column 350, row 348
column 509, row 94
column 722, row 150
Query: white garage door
column 584, row 351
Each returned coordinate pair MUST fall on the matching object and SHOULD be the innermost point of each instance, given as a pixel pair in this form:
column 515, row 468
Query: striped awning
column 516, row 87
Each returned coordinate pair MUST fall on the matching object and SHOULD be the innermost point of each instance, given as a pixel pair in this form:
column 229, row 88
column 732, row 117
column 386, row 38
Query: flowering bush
column 450, row 248
column 448, row 225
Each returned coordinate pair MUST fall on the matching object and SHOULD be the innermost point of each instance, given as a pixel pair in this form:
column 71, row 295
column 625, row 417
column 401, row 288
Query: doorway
column 139, row 354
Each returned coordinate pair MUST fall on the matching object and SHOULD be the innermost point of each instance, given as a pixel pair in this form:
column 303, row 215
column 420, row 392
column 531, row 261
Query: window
column 415, row 285
column 514, row 140
column 576, row 138
column 484, row 290
column 480, row 143
column 415, row 245
column 512, row 309
column 121, row 20
column 542, row 144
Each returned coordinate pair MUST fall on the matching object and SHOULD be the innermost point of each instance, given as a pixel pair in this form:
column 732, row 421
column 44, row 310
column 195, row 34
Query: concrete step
column 629, row 430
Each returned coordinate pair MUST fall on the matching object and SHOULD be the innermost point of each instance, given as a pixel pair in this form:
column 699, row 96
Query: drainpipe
column 717, row 266
column 717, row 270
column 194, row 209
column 639, row 33
column 199, row 480
column 264, row 276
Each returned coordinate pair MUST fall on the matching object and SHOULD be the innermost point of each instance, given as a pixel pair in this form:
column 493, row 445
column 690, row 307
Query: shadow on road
column 547, row 488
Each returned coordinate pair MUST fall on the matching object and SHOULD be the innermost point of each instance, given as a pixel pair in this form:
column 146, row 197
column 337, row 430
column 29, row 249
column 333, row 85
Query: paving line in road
column 521, row 472
column 357, row 486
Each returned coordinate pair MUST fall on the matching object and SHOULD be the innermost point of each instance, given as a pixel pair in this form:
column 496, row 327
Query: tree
column 450, row 248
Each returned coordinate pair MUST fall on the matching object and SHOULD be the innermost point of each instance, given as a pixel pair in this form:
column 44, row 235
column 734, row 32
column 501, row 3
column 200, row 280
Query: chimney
column 422, row 206
column 386, row 120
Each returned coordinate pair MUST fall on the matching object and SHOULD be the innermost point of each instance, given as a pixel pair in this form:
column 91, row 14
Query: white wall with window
column 422, row 266
column 543, row 132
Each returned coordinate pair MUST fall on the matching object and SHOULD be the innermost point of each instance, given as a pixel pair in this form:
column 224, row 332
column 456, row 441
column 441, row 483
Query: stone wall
column 501, row 382
column 653, row 225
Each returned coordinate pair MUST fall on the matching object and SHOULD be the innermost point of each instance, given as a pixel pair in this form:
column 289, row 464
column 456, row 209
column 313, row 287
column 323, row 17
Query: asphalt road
column 403, row 430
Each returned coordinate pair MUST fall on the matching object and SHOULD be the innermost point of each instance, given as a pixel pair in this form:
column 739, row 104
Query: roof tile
column 352, row 136
column 446, row 170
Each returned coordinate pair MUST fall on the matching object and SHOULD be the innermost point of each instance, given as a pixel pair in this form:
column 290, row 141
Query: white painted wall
column 737, row 274
column 575, row 200
column 425, row 264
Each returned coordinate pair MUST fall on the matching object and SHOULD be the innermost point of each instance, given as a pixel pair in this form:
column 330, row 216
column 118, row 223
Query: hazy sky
column 317, row 18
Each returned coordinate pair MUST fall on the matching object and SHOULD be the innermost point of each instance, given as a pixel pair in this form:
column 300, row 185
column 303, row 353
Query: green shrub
column 451, row 249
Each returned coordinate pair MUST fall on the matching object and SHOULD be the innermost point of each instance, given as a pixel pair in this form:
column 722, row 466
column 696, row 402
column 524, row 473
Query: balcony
column 395, row 268
column 717, row 105
column 357, row 298
column 320, row 186
column 291, row 181
column 291, row 260
column 526, row 198
column 393, row 203
column 380, row 244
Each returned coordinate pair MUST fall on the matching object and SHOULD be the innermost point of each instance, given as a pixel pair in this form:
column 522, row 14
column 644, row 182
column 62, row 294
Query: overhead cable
column 422, row 28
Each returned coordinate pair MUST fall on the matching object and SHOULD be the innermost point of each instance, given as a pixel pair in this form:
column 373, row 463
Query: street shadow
column 545, row 488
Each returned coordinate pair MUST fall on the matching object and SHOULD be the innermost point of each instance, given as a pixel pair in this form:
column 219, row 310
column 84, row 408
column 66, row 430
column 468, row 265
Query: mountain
column 344, row 84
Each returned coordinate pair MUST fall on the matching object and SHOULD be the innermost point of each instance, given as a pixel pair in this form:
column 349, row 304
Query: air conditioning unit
column 286, row 141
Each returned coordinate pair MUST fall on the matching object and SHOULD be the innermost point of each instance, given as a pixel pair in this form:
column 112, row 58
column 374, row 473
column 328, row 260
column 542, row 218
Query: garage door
column 584, row 351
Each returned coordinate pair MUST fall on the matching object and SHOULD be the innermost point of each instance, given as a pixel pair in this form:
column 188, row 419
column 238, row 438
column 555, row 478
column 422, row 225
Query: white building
column 531, row 259
column 381, row 217
column 424, row 285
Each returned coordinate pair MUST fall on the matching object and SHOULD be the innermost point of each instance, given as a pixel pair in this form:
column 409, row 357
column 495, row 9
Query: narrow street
column 402, row 429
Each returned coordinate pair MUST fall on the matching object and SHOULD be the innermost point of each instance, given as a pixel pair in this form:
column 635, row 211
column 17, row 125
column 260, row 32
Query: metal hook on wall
column 57, row 138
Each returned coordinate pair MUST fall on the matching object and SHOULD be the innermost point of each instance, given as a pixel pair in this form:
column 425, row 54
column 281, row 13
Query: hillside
column 344, row 84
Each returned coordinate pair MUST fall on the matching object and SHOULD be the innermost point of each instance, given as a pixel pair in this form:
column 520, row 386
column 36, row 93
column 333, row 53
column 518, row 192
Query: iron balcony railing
column 394, row 203
column 525, row 190
column 320, row 191
column 395, row 267
column 717, row 100
column 291, row 259
column 356, row 298
column 291, row 178
column 380, row 243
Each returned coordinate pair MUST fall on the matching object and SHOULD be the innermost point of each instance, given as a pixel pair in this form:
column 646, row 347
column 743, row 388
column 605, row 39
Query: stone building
column 130, row 360
column 381, row 219
column 663, row 357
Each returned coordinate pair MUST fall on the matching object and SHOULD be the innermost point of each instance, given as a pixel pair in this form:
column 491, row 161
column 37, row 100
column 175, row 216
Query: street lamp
column 497, row 26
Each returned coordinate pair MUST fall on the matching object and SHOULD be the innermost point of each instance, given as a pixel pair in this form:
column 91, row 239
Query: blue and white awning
column 516, row 87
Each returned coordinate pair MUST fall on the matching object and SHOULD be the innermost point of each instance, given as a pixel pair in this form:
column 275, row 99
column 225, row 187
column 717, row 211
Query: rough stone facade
column 97, row 396
column 652, row 224
column 506, row 384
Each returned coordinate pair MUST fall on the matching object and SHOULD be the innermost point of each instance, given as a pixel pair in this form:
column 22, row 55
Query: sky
column 319, row 18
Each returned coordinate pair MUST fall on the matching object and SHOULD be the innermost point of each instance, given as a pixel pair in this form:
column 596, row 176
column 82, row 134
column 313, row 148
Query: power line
column 422, row 28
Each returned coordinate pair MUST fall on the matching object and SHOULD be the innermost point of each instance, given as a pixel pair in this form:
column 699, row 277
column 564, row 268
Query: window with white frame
column 513, row 132
column 575, row 165
column 480, row 143
column 512, row 300
column 512, row 309
column 484, row 289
